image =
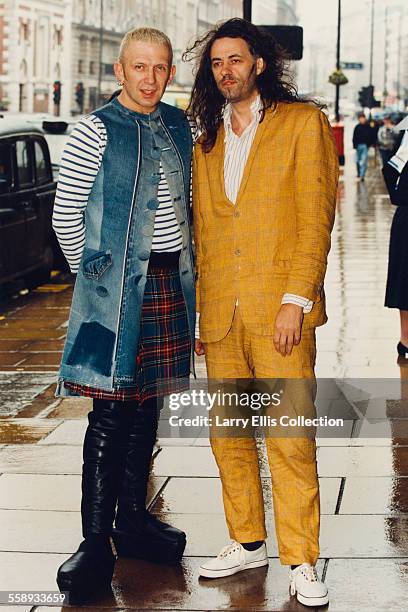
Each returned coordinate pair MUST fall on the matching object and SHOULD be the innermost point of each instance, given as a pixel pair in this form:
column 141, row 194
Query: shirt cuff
column 197, row 325
column 291, row 298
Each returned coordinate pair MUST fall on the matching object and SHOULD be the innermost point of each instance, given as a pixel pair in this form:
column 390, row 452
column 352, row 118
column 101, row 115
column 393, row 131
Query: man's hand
column 199, row 347
column 288, row 327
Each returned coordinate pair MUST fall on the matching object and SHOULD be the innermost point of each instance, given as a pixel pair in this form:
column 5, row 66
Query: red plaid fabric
column 162, row 365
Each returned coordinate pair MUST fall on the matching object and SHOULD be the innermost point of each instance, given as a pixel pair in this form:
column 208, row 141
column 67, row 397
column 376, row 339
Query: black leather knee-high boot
column 89, row 571
column 138, row 533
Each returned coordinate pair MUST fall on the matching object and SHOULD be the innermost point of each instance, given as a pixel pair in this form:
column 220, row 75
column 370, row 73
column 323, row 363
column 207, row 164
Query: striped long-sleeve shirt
column 80, row 165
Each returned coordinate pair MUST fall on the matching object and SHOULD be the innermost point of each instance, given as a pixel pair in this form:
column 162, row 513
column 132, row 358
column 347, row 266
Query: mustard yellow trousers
column 291, row 458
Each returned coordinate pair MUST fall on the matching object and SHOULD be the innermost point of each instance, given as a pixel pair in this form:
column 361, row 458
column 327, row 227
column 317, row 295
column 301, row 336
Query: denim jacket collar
column 146, row 117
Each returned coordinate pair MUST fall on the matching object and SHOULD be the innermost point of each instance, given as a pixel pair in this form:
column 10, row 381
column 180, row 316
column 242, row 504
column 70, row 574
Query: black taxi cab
column 28, row 247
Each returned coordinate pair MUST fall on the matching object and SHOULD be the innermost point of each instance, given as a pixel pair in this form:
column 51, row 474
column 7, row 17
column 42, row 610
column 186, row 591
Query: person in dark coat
column 362, row 139
column 396, row 295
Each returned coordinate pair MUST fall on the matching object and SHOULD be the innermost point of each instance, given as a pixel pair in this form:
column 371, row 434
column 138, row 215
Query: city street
column 364, row 491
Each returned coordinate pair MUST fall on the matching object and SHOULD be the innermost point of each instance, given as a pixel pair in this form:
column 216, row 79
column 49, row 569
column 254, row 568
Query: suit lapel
column 216, row 157
column 255, row 144
column 215, row 162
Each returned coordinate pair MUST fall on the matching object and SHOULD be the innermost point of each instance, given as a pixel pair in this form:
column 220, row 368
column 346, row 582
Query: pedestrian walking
column 363, row 138
column 264, row 190
column 386, row 139
column 122, row 219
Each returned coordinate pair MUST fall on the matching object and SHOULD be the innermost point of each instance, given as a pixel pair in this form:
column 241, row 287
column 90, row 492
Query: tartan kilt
column 162, row 364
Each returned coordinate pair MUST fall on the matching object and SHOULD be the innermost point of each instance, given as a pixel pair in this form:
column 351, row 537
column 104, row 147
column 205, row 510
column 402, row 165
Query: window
column 24, row 165
column 23, row 32
column 91, row 67
column 6, row 177
column 41, row 167
column 80, row 66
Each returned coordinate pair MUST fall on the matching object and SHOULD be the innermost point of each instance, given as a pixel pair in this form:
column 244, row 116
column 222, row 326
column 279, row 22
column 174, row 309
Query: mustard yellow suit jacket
column 276, row 237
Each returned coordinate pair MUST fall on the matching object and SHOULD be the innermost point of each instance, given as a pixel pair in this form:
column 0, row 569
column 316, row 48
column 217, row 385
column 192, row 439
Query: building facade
column 71, row 46
column 35, row 44
column 98, row 26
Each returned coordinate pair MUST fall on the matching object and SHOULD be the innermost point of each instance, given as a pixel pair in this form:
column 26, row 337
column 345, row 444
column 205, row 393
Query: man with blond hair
column 122, row 219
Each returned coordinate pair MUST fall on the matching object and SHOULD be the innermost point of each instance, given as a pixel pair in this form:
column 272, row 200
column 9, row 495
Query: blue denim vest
column 104, row 325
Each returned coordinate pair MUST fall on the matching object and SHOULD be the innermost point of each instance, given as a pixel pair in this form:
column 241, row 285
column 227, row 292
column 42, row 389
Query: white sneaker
column 306, row 585
column 232, row 559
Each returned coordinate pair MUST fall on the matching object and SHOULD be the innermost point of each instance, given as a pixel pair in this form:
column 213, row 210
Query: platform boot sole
column 163, row 552
column 82, row 588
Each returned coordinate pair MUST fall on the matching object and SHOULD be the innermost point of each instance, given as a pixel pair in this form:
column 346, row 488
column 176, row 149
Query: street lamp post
column 372, row 43
column 385, row 88
column 100, row 52
column 247, row 10
column 371, row 49
column 337, row 99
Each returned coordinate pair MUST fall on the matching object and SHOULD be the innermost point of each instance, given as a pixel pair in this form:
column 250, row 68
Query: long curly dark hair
column 275, row 83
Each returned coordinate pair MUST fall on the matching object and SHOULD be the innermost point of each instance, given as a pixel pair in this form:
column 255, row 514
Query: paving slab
column 37, row 531
column 363, row 536
column 7, row 346
column 332, row 461
column 14, row 609
column 363, row 461
column 41, row 459
column 195, row 495
column 45, row 345
column 26, row 571
column 51, row 492
column 69, row 432
column 187, row 461
column 395, row 430
column 372, row 585
column 138, row 585
column 355, row 536
column 378, row 495
column 143, row 586
column 72, row 408
column 17, row 389
column 381, row 408
column 26, row 431
column 48, row 358
column 11, row 359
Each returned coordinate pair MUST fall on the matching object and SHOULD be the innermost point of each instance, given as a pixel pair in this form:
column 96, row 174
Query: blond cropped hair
column 150, row 35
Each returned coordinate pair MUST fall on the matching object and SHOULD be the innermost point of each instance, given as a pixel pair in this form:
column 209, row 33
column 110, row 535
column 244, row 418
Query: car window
column 24, row 164
column 6, row 177
column 41, row 167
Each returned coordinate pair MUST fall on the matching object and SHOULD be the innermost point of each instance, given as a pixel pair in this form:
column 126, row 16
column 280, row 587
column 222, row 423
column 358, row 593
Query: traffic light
column 57, row 92
column 79, row 95
column 366, row 97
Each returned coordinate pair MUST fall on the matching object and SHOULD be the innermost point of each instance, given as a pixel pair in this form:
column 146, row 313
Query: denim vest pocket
column 93, row 267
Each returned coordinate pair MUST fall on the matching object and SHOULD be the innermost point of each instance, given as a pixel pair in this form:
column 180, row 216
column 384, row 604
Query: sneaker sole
column 207, row 573
column 312, row 601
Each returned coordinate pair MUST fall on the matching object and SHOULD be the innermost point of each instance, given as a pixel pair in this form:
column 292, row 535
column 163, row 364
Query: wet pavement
column 364, row 477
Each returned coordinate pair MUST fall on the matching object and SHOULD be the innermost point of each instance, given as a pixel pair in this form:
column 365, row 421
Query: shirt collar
column 256, row 107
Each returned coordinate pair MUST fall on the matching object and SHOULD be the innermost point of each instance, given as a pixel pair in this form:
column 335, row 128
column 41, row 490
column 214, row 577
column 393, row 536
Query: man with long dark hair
column 264, row 190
